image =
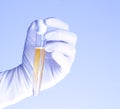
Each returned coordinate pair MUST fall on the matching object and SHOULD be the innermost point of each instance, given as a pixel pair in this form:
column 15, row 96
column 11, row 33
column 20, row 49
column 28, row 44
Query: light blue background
column 94, row 80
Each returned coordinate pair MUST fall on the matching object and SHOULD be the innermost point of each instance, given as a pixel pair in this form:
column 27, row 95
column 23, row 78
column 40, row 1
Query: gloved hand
column 16, row 83
column 60, row 50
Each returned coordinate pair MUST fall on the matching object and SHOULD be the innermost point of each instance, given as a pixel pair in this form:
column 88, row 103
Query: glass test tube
column 38, row 64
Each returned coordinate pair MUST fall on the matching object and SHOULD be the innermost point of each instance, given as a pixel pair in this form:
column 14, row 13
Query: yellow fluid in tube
column 38, row 69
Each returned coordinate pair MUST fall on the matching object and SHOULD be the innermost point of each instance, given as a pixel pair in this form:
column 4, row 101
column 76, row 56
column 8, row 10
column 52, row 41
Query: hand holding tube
column 17, row 83
column 59, row 49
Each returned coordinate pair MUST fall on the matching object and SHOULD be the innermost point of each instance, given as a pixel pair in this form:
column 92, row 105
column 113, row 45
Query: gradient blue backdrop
column 94, row 80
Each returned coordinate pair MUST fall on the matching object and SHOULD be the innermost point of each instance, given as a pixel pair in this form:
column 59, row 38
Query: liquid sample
column 38, row 69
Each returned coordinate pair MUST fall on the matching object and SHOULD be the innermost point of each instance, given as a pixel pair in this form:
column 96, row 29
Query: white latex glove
column 16, row 84
column 60, row 51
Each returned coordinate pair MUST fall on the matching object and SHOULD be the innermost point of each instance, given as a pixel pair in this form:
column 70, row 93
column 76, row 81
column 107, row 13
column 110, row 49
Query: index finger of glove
column 56, row 23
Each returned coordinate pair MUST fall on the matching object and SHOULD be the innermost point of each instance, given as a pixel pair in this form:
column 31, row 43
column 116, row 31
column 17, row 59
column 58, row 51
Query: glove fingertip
column 56, row 23
column 33, row 26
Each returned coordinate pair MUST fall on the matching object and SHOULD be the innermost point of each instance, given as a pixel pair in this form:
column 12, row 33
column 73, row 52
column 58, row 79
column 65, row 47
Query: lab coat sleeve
column 15, row 85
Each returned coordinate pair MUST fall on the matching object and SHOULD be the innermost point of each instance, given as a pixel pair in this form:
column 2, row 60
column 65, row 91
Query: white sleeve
column 15, row 85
